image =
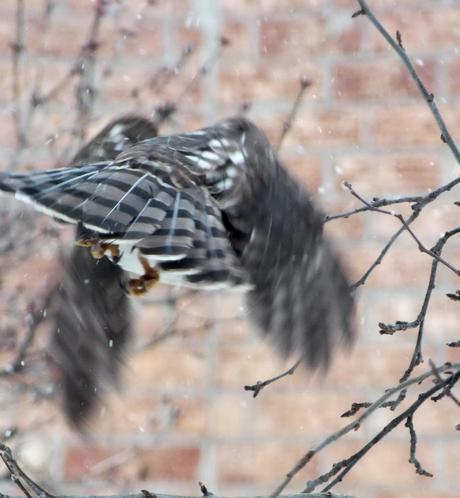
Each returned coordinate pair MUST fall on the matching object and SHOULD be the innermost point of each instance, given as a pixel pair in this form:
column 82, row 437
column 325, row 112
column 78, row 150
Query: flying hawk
column 209, row 209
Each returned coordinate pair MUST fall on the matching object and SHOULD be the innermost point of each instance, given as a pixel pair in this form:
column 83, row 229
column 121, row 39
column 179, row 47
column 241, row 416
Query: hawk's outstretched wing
column 300, row 295
column 212, row 207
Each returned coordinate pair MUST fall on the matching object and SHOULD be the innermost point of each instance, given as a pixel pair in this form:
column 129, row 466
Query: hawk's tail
column 92, row 325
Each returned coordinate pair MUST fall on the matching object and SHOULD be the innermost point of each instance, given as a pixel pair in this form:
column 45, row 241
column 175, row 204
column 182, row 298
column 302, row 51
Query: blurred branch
column 287, row 125
column 17, row 51
column 448, row 391
column 126, row 34
column 19, row 477
column 164, row 75
column 85, row 91
column 398, row 47
column 34, row 318
column 34, row 102
column 204, row 69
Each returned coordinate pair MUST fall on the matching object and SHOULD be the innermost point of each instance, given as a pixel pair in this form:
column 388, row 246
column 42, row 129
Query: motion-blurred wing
column 301, row 298
column 91, row 313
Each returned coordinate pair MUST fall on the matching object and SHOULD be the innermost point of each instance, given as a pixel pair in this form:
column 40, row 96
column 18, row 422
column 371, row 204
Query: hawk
column 209, row 209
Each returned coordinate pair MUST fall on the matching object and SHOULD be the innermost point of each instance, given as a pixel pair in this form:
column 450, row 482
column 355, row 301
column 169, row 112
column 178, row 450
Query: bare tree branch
column 19, row 477
column 355, row 425
column 32, row 490
column 17, row 50
column 259, row 385
column 287, row 125
column 348, row 463
column 427, row 96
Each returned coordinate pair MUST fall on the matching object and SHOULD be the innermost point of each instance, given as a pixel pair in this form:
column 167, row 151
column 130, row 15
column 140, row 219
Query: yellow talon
column 85, row 242
column 99, row 248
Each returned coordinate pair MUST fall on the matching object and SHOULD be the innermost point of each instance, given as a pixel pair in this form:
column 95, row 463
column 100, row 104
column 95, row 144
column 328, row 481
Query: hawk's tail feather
column 92, row 328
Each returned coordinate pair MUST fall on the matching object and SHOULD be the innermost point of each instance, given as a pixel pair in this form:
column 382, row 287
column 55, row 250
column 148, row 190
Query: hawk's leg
column 99, row 248
column 141, row 285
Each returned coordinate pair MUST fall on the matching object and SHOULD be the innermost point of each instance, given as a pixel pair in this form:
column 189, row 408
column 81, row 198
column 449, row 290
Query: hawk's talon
column 141, row 285
column 85, row 242
column 99, row 248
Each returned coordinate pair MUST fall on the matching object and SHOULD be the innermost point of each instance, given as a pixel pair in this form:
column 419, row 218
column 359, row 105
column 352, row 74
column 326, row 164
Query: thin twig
column 417, row 207
column 357, row 423
column 383, row 252
column 126, row 34
column 350, row 462
column 418, row 201
column 413, row 447
column 204, row 69
column 287, row 125
column 419, row 322
column 17, row 51
column 427, row 96
column 439, row 379
column 259, row 385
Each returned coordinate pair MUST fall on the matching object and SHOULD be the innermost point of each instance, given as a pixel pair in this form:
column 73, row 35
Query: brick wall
column 181, row 414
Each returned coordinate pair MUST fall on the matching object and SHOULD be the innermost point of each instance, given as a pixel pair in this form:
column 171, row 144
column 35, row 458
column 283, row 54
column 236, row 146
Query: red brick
column 310, row 128
column 246, row 364
column 379, row 369
column 401, row 266
column 452, row 457
column 286, row 38
column 248, row 83
column 308, row 414
column 379, row 175
column 160, row 364
column 137, row 464
column 264, row 463
column 396, row 126
column 271, row 7
column 242, row 37
column 231, row 416
column 279, row 38
column 79, row 460
column 306, row 168
column 345, row 229
column 380, row 79
column 170, row 463
column 423, row 29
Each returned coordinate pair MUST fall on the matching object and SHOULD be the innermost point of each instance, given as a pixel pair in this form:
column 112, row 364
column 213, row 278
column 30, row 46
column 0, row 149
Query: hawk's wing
column 301, row 296
column 91, row 313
